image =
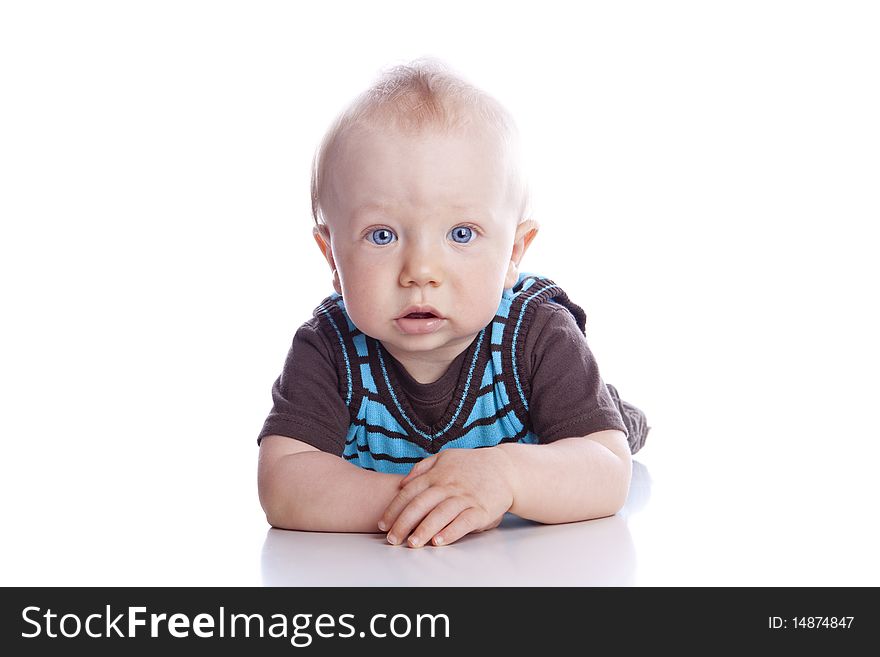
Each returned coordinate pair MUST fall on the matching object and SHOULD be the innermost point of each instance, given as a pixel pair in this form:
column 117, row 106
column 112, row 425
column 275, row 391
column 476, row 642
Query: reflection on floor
column 518, row 553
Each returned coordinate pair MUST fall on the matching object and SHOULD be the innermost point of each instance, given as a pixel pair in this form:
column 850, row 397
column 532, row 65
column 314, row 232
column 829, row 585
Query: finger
column 466, row 522
column 437, row 519
column 420, row 506
column 419, row 468
column 400, row 502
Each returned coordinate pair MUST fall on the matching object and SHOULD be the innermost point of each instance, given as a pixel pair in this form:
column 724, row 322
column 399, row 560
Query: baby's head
column 420, row 209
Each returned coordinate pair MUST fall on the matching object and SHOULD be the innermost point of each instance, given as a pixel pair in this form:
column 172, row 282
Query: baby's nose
column 422, row 266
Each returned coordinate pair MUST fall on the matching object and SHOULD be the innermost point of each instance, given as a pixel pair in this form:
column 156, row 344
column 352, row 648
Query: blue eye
column 381, row 236
column 462, row 234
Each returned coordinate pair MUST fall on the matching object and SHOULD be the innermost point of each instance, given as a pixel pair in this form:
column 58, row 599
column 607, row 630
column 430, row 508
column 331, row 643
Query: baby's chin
column 445, row 346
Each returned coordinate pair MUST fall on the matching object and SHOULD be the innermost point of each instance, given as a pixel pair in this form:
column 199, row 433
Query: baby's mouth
column 419, row 322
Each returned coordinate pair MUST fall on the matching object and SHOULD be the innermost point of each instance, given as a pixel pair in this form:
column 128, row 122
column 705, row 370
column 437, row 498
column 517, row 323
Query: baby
column 435, row 343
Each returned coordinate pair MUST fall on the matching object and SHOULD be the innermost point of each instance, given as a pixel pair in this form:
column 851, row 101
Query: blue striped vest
column 490, row 404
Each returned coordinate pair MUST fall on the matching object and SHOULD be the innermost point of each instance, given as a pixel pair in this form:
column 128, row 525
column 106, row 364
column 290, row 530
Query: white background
column 706, row 178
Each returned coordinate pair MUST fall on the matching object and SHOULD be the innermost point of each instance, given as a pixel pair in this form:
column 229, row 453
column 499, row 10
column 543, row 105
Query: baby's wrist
column 507, row 464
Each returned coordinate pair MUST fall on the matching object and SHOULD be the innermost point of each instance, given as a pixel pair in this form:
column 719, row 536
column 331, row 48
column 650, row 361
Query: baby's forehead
column 379, row 155
column 438, row 164
column 375, row 132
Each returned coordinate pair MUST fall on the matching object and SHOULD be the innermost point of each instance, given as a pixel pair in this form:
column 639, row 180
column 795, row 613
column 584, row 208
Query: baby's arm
column 570, row 479
column 302, row 487
column 459, row 491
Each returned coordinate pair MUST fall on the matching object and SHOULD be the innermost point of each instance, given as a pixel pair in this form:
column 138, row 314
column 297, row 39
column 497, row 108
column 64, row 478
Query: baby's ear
column 322, row 237
column 321, row 233
column 525, row 233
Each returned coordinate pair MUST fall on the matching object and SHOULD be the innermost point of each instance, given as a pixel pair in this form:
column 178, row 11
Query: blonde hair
column 412, row 98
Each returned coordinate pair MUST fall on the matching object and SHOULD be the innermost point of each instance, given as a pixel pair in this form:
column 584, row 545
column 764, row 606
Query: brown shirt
column 568, row 396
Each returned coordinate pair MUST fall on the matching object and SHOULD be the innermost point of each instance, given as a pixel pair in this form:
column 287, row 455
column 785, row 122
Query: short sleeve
column 306, row 403
column 568, row 396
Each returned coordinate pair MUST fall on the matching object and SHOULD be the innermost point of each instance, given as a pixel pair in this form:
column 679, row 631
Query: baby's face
column 422, row 229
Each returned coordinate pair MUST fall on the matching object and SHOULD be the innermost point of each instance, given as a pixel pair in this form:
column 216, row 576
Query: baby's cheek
column 483, row 305
column 355, row 289
column 362, row 313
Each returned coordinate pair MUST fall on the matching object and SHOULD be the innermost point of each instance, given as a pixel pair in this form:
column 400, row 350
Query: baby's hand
column 448, row 495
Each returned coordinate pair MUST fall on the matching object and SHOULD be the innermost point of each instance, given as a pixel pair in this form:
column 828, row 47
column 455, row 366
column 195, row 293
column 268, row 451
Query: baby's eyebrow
column 368, row 209
column 463, row 211
column 378, row 206
column 371, row 206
